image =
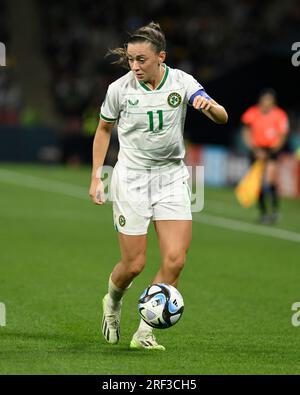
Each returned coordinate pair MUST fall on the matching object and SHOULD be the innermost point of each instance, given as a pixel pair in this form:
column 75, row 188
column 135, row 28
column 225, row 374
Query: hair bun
column 154, row 26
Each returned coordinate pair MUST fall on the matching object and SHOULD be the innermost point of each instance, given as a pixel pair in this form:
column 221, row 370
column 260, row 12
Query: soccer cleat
column 145, row 341
column 110, row 322
column 274, row 217
column 264, row 219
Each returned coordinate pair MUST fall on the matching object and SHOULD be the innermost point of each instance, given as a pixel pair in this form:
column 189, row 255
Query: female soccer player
column 150, row 179
column 265, row 131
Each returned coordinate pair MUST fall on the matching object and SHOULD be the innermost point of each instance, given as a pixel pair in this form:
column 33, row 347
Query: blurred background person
column 265, row 132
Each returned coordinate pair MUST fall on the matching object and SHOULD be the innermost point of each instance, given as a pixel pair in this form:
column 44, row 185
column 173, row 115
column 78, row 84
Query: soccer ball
column 161, row 305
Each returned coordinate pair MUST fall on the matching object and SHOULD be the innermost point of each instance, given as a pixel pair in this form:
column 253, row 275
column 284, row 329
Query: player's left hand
column 201, row 103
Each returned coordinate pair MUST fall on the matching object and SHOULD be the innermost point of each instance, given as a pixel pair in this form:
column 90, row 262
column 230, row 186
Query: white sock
column 143, row 327
column 115, row 294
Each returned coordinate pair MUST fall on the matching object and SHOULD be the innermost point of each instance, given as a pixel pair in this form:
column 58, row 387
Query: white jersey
column 150, row 122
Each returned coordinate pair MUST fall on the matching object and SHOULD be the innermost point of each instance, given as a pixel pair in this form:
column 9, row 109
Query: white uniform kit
column 150, row 178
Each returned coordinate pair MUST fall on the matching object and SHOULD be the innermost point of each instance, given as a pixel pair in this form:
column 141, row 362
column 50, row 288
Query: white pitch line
column 42, row 184
column 240, row 226
column 25, row 180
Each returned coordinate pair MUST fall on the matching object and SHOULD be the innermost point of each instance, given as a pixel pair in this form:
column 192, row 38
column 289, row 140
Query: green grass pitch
column 57, row 251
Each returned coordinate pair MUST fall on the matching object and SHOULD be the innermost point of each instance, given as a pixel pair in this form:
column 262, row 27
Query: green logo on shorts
column 174, row 99
column 122, row 220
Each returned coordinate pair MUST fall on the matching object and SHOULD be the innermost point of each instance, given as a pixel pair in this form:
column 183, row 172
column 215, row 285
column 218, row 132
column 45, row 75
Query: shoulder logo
column 133, row 102
column 174, row 99
column 122, row 220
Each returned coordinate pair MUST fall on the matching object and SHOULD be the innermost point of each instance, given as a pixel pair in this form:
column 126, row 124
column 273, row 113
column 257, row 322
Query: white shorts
column 141, row 195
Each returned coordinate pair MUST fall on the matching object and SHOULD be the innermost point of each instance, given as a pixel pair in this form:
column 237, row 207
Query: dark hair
column 268, row 91
column 151, row 33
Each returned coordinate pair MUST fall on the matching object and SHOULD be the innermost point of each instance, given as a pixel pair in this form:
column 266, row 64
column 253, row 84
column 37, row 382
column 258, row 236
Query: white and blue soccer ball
column 161, row 306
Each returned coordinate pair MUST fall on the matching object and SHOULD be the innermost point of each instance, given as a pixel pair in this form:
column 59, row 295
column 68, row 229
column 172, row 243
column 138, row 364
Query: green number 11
column 151, row 120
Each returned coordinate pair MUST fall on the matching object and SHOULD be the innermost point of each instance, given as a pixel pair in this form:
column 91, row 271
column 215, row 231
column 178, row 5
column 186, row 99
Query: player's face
column 144, row 61
column 266, row 102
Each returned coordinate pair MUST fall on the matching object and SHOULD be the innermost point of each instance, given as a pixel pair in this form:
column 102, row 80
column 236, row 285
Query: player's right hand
column 96, row 191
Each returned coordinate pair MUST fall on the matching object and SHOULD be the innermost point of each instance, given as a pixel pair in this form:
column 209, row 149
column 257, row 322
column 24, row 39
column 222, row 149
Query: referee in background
column 265, row 131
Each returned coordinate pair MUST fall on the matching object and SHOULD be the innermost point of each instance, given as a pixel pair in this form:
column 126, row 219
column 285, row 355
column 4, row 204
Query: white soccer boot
column 145, row 341
column 111, row 322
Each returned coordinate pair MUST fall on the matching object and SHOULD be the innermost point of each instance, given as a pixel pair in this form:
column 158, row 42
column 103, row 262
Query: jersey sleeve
column 248, row 117
column 109, row 111
column 283, row 122
column 193, row 87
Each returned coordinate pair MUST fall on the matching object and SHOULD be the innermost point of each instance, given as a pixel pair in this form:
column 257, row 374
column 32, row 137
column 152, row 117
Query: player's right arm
column 100, row 147
column 259, row 153
column 246, row 133
column 109, row 114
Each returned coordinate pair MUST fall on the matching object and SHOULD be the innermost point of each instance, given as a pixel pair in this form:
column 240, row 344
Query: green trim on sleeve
column 107, row 119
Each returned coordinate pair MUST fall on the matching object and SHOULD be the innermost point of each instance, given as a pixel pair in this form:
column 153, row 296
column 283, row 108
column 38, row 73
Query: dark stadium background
column 57, row 73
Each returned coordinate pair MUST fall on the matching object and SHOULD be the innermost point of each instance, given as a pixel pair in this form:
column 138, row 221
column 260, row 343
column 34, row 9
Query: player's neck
column 266, row 110
column 154, row 82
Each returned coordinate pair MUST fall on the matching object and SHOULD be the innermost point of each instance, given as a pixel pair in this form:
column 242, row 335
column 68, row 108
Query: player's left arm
column 211, row 109
column 280, row 144
column 283, row 129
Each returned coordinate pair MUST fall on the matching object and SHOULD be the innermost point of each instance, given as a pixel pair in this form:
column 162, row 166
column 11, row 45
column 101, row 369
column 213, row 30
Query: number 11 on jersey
column 151, row 121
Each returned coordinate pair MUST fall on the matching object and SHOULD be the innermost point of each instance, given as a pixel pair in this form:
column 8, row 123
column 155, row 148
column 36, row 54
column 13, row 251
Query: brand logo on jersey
column 174, row 99
column 133, row 103
column 122, row 220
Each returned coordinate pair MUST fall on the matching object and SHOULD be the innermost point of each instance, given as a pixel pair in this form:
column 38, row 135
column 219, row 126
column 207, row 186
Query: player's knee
column 136, row 265
column 175, row 261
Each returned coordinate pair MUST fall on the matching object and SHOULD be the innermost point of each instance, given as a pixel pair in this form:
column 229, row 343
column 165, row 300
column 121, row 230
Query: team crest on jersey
column 122, row 220
column 174, row 99
column 133, row 102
